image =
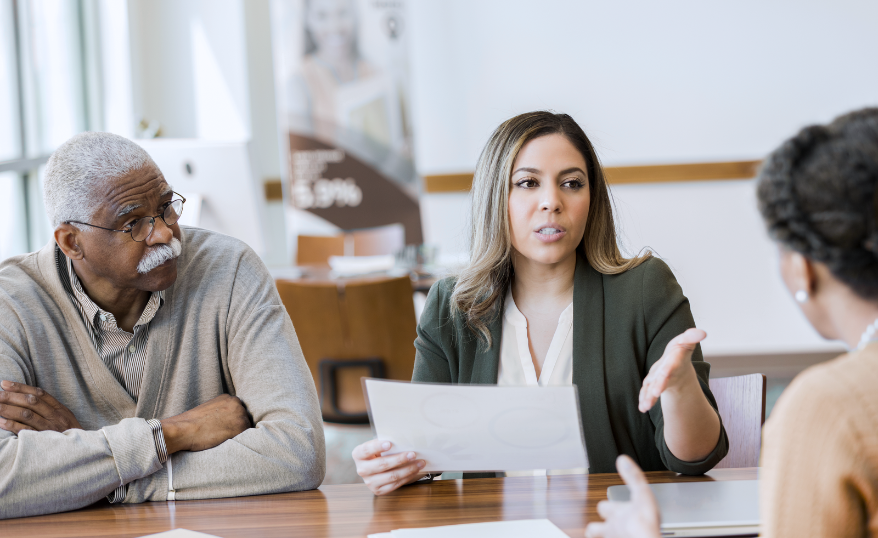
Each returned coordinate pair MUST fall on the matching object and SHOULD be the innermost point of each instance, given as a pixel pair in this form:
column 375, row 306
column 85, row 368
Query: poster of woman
column 342, row 83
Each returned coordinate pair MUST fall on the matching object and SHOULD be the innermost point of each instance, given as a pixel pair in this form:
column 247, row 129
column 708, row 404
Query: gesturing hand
column 383, row 474
column 23, row 407
column 672, row 370
column 637, row 518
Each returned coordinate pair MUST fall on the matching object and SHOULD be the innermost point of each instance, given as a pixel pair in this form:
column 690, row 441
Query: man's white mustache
column 158, row 255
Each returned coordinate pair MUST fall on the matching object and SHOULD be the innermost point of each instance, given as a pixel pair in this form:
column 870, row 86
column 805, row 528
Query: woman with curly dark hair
column 818, row 194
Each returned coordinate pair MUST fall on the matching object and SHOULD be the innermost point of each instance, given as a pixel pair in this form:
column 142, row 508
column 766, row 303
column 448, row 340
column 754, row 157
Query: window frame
column 28, row 162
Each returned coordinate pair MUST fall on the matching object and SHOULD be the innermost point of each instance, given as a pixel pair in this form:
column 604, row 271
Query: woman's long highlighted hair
column 488, row 273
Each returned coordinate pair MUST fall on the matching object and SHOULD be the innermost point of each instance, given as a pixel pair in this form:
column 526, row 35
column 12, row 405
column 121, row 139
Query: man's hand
column 673, row 370
column 23, row 407
column 637, row 518
column 206, row 426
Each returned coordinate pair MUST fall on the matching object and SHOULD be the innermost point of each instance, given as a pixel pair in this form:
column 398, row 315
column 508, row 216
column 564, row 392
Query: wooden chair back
column 316, row 249
column 343, row 328
column 741, row 403
column 380, row 240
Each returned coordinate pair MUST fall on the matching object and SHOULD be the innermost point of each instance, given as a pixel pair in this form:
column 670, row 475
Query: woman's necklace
column 869, row 335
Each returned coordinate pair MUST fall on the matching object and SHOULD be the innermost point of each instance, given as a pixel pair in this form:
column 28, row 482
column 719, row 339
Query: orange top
column 820, row 452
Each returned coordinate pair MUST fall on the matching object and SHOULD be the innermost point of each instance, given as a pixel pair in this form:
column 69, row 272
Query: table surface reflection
column 352, row 511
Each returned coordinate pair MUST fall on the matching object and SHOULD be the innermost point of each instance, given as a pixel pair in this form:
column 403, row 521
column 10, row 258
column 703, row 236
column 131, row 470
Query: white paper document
column 179, row 533
column 479, row 427
column 526, row 528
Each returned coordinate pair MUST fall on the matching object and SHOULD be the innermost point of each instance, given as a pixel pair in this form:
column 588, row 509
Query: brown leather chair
column 741, row 403
column 350, row 330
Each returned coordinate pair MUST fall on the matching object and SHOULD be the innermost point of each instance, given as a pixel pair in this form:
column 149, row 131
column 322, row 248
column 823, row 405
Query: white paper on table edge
column 546, row 524
column 180, row 533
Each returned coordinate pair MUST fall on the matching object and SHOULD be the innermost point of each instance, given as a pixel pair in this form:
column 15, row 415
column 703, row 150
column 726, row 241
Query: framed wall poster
column 341, row 73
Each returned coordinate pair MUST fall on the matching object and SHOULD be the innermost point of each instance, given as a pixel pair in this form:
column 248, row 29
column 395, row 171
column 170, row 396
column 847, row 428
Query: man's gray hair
column 80, row 165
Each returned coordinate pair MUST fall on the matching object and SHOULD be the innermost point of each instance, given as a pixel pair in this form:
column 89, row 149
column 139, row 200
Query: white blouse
column 516, row 365
column 517, row 368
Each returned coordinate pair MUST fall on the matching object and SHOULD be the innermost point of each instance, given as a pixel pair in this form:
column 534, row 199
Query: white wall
column 203, row 69
column 712, row 236
column 651, row 83
column 189, row 67
column 116, row 93
column 678, row 81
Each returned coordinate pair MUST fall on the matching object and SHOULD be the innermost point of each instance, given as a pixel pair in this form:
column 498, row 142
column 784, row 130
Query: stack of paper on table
column 479, row 427
column 526, row 528
column 360, row 265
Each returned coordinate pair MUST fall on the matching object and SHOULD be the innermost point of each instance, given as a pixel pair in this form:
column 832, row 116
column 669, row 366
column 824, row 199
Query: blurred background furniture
column 741, row 403
column 352, row 329
column 388, row 239
column 316, row 249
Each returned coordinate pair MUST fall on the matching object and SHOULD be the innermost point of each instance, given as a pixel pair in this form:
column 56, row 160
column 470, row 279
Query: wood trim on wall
column 682, row 172
column 274, row 190
column 617, row 175
column 448, row 183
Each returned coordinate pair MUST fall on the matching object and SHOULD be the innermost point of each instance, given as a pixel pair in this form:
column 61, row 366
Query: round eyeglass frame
column 130, row 229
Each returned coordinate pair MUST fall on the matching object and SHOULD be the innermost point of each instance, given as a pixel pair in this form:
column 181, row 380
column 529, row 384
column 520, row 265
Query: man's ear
column 67, row 236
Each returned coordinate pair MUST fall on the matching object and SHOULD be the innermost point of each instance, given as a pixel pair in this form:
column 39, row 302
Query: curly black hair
column 818, row 195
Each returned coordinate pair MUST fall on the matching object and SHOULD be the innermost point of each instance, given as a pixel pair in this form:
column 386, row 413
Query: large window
column 43, row 102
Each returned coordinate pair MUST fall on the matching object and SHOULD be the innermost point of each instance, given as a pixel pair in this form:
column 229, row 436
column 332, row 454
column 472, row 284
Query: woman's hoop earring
column 802, row 296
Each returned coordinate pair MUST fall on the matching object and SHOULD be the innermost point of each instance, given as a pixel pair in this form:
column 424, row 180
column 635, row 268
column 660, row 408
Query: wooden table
column 352, row 511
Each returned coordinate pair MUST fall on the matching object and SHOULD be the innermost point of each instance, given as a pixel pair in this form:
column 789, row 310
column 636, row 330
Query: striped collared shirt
column 123, row 353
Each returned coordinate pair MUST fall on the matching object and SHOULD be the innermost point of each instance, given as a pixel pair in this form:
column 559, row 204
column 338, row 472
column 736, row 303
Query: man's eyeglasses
column 141, row 228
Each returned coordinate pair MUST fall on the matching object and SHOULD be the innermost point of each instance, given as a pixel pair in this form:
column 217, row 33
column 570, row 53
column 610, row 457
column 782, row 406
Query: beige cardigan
column 222, row 329
column 820, row 452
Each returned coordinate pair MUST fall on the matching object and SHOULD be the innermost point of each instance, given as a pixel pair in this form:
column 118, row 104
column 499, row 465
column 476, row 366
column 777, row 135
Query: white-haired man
column 142, row 361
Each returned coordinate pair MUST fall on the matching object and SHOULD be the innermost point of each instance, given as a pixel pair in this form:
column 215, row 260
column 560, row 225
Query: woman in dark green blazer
column 632, row 316
column 542, row 245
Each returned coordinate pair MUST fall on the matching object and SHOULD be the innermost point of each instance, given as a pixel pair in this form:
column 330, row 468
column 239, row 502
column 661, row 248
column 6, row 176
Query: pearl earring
column 802, row 296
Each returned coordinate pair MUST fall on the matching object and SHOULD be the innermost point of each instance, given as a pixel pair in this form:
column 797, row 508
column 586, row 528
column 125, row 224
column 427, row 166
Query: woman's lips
column 550, row 237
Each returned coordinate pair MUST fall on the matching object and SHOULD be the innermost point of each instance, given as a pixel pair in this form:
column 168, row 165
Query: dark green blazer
column 621, row 325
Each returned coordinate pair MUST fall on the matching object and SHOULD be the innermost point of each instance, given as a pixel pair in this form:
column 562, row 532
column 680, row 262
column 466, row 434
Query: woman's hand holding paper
column 383, row 474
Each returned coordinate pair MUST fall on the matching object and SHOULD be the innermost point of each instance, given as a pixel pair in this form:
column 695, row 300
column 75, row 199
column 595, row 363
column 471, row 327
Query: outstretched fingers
column 653, row 386
column 371, row 449
column 670, row 368
column 606, row 509
column 383, row 474
column 680, row 348
column 637, row 518
column 634, row 478
column 688, row 339
column 383, row 464
column 386, row 482
column 596, row 530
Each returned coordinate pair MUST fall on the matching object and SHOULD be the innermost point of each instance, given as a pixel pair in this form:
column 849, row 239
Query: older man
column 142, row 361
